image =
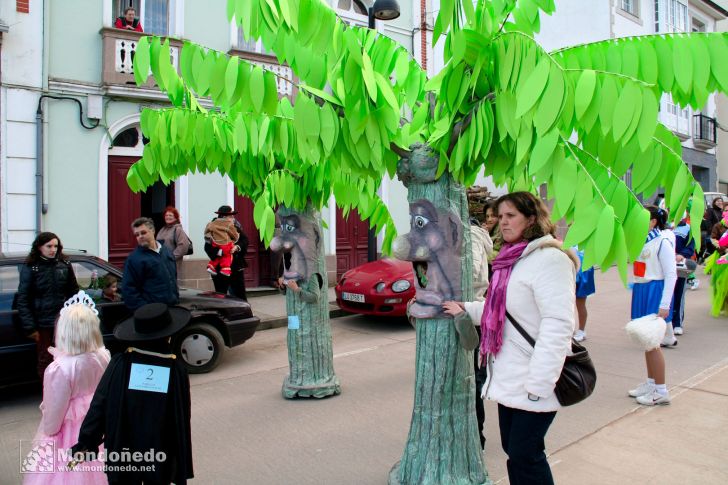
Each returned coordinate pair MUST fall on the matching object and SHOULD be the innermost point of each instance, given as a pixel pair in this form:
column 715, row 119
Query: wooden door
column 125, row 206
column 258, row 273
column 351, row 242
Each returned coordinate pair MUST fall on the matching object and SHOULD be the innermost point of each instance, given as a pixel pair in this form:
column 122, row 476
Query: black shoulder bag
column 578, row 377
column 190, row 249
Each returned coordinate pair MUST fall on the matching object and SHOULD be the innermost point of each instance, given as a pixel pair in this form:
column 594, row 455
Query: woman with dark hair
column 490, row 224
column 655, row 275
column 532, row 286
column 174, row 236
column 46, row 282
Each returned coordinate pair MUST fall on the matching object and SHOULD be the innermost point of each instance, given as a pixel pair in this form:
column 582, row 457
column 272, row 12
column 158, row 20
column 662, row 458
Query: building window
column 630, row 6
column 127, row 138
column 676, row 118
column 671, row 16
column 251, row 45
column 697, row 25
column 352, row 6
column 153, row 14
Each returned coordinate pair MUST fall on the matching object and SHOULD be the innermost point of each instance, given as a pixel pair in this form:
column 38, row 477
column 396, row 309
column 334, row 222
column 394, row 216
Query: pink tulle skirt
column 46, row 463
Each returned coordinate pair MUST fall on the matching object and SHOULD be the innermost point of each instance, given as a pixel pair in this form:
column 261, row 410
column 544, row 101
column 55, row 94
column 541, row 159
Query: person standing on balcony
column 128, row 21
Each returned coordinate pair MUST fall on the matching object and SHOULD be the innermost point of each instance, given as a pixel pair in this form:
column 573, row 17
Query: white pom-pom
column 647, row 331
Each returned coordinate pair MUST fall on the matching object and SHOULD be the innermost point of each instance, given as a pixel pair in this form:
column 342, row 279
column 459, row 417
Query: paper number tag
column 151, row 378
column 293, row 322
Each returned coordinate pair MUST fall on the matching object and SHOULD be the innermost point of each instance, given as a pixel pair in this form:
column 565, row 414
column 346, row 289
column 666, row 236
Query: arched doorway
column 123, row 205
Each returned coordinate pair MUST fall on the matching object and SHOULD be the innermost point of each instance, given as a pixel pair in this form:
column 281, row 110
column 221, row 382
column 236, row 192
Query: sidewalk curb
column 334, row 312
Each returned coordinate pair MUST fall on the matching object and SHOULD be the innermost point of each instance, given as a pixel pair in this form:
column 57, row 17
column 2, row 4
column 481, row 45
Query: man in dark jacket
column 141, row 408
column 235, row 283
column 150, row 271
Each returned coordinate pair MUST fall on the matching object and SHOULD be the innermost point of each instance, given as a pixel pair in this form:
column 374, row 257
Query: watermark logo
column 37, row 456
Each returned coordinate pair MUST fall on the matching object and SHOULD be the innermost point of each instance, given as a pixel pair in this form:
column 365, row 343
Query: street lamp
column 382, row 10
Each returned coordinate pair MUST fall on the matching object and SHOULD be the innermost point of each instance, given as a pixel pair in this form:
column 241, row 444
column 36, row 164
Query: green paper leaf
column 583, row 96
column 542, row 150
column 604, row 234
column 718, row 49
column 141, row 61
column 257, row 88
column 231, row 76
column 682, row 59
column 666, row 70
column 368, row 75
column 551, row 102
column 530, row 92
column 624, row 110
column 635, row 230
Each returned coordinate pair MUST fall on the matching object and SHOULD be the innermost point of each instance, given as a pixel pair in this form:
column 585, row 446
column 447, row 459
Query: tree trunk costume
column 310, row 354
column 443, row 444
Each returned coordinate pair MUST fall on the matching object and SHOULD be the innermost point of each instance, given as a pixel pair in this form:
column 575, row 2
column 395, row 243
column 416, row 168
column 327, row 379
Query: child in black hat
column 141, row 407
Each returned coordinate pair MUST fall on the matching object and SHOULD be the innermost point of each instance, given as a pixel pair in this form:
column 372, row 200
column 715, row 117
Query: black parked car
column 217, row 321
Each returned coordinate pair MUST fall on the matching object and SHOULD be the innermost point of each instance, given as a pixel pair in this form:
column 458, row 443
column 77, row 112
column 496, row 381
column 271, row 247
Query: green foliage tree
column 577, row 120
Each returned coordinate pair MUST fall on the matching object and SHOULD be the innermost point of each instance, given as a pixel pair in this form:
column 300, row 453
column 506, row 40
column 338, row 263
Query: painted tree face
column 299, row 240
column 434, row 245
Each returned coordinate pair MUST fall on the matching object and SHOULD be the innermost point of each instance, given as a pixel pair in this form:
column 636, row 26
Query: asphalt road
column 244, row 432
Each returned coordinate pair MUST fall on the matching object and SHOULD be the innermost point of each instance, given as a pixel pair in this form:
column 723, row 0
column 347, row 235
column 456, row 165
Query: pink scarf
column 494, row 315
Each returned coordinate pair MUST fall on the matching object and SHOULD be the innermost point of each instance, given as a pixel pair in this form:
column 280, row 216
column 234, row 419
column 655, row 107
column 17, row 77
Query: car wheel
column 200, row 346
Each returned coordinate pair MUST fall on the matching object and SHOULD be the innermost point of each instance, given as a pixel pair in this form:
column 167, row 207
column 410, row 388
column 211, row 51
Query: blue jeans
column 522, row 434
column 678, row 302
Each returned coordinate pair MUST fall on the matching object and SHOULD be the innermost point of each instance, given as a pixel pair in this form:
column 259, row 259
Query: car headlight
column 401, row 285
column 380, row 286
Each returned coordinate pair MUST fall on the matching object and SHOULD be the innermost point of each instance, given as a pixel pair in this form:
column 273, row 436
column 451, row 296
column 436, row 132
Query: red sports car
column 380, row 287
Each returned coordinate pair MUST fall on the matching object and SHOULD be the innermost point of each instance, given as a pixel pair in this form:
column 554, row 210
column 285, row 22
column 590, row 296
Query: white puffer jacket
column 482, row 247
column 541, row 296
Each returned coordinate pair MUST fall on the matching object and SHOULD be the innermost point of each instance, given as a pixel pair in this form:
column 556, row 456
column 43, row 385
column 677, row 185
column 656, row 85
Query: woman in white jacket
column 533, row 282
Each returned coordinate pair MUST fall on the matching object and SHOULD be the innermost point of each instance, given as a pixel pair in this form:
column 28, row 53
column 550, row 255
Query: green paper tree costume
column 310, row 355
column 576, row 120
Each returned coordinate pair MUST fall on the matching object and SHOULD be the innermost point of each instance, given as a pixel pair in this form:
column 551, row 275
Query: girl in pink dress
column 80, row 359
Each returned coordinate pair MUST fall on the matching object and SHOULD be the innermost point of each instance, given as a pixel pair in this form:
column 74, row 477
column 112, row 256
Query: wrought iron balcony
column 704, row 134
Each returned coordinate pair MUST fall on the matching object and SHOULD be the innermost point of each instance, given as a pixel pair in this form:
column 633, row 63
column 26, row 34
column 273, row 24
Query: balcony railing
column 119, row 46
column 704, row 134
column 118, row 57
column 269, row 62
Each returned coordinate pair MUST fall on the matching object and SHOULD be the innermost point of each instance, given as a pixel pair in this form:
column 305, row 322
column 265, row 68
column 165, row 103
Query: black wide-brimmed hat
column 152, row 321
column 226, row 210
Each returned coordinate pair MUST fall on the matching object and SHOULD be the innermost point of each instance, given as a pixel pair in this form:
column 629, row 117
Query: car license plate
column 359, row 298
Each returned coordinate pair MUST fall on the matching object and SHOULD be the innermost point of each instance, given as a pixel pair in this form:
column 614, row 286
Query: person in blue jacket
column 684, row 250
column 150, row 271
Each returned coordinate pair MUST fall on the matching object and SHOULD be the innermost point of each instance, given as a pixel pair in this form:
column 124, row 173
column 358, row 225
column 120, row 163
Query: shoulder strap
column 520, row 329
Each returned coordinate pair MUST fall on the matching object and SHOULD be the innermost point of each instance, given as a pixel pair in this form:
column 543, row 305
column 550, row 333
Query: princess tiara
column 80, row 298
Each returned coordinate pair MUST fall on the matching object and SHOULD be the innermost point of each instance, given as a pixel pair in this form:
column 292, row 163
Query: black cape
column 136, row 421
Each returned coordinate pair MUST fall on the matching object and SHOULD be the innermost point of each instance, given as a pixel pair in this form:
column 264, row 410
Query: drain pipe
column 40, row 207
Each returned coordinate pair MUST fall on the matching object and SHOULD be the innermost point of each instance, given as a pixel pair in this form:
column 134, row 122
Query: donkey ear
column 455, row 230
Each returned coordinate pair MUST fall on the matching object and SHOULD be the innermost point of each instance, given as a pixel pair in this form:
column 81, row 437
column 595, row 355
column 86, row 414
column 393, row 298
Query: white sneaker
column 669, row 341
column 642, row 390
column 678, row 330
column 580, row 335
column 653, row 399
column 695, row 284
